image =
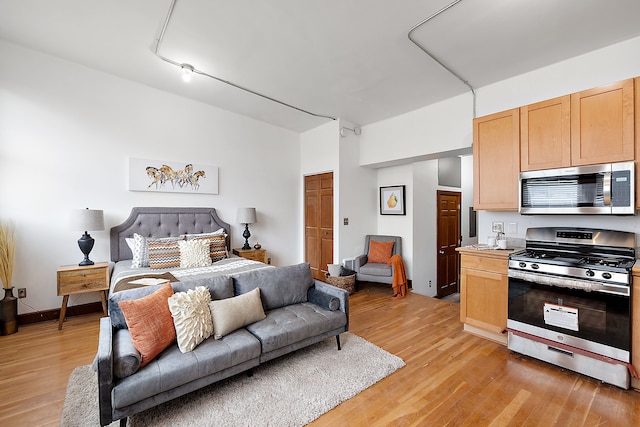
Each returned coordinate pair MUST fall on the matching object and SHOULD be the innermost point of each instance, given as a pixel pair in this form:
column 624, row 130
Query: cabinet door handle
column 441, row 252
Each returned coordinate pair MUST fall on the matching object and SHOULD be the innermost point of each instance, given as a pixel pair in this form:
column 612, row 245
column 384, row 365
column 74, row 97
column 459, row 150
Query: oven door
column 597, row 322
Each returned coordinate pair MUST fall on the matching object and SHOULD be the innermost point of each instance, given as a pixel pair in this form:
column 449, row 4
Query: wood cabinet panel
column 602, row 124
column 484, row 290
column 496, row 160
column 545, row 134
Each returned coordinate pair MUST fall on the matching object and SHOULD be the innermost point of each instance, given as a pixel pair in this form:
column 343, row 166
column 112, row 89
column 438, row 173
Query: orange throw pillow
column 380, row 251
column 150, row 323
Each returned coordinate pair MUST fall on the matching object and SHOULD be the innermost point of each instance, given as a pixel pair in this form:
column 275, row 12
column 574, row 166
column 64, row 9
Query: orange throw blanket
column 399, row 283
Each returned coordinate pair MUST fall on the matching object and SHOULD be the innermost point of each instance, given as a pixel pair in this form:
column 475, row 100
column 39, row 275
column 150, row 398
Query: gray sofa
column 299, row 312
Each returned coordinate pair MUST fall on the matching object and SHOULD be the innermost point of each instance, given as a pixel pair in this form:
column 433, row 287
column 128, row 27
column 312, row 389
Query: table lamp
column 246, row 216
column 86, row 220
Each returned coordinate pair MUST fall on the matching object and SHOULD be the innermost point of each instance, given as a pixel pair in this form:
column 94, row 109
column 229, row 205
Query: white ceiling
column 341, row 58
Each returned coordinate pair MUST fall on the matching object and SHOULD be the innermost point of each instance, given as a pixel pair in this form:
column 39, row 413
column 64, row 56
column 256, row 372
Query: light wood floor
column 451, row 378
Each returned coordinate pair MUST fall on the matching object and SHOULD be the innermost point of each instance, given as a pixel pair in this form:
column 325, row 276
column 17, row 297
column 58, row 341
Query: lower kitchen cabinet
column 484, row 290
column 635, row 324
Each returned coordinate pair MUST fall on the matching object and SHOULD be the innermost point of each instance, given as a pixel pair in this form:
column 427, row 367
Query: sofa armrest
column 339, row 293
column 359, row 261
column 105, row 370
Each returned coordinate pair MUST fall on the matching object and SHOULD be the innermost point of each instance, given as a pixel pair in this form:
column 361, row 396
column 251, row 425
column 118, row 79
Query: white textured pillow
column 194, row 253
column 233, row 313
column 191, row 317
column 140, row 252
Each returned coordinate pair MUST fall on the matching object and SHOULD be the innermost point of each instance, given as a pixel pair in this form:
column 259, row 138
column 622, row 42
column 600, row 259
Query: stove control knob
column 590, row 273
column 606, row 276
column 522, row 264
column 535, row 266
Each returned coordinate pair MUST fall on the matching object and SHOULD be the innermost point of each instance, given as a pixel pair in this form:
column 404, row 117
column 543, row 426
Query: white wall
column 437, row 128
column 399, row 225
column 66, row 134
column 358, row 200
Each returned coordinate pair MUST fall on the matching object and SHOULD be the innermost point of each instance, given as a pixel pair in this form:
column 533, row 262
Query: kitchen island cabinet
column 484, row 290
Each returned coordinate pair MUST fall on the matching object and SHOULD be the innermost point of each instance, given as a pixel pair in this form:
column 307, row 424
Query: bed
column 159, row 223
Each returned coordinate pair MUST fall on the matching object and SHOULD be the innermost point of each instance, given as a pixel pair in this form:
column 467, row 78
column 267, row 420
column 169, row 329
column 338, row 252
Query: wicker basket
column 348, row 283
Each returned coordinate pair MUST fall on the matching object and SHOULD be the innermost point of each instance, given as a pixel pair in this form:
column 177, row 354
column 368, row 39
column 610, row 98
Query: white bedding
column 227, row 266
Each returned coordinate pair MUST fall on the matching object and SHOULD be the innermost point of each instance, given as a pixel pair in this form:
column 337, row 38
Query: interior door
column 449, row 238
column 318, row 214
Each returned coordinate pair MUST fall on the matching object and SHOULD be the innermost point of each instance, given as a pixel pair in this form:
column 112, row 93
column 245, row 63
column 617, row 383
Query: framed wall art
column 172, row 177
column 392, row 200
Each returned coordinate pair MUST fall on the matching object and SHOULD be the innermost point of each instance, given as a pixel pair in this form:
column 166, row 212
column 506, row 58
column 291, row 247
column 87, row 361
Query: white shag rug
column 292, row 390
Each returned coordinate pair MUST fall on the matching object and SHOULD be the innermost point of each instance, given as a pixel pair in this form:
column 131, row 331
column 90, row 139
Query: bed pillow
column 139, row 251
column 217, row 244
column 164, row 252
column 191, row 317
column 234, row 313
column 150, row 323
column 194, row 253
column 380, row 251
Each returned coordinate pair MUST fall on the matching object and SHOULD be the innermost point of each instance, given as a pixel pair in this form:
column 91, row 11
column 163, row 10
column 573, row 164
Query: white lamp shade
column 86, row 220
column 246, row 216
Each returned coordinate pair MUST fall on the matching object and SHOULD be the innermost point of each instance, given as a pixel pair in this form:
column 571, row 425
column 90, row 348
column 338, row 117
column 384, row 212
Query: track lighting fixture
column 187, row 72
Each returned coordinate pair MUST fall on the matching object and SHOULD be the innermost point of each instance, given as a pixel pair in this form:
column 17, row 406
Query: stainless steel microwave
column 594, row 189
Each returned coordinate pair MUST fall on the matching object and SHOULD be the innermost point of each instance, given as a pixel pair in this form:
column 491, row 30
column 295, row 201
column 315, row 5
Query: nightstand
column 254, row 254
column 73, row 279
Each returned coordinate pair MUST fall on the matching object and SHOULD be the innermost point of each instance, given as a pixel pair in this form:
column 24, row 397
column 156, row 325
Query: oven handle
column 564, row 282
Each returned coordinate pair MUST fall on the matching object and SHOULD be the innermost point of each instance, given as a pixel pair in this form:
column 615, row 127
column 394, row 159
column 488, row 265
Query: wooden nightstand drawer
column 73, row 279
column 254, row 254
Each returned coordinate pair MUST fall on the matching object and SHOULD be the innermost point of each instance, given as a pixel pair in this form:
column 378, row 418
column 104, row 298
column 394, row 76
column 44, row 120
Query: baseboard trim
column 54, row 314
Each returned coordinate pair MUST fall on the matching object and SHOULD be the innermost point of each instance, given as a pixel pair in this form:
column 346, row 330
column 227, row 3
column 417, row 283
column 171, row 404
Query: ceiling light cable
column 202, row 73
column 473, row 92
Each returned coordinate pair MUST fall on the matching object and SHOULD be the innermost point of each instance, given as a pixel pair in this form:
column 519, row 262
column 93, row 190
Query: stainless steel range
column 570, row 300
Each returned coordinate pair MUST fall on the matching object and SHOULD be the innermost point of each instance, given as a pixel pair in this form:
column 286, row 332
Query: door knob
column 441, row 252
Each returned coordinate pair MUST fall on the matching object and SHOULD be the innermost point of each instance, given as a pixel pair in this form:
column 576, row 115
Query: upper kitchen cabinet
column 602, row 124
column 496, row 160
column 545, row 134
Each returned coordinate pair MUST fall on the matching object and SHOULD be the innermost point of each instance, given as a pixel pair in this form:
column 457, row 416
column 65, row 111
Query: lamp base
column 85, row 243
column 246, row 236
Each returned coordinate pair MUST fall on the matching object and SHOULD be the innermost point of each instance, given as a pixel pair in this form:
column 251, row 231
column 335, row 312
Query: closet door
column 318, row 214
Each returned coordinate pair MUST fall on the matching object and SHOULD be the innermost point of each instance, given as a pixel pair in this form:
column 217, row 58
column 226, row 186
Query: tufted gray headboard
column 164, row 222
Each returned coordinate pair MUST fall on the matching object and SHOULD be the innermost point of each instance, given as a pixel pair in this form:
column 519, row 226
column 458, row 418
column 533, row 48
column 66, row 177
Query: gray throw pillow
column 126, row 359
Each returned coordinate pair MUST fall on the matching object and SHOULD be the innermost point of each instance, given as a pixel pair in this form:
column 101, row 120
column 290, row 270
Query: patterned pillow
column 150, row 323
column 217, row 244
column 194, row 253
column 191, row 317
column 140, row 253
column 380, row 251
column 164, row 253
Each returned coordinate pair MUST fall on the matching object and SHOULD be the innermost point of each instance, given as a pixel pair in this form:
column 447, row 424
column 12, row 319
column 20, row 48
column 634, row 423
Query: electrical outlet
column 22, row 292
column 346, row 221
column 497, row 227
column 429, row 283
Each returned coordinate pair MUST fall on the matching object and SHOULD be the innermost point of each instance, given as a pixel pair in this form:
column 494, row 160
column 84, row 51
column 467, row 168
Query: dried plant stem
column 7, row 253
